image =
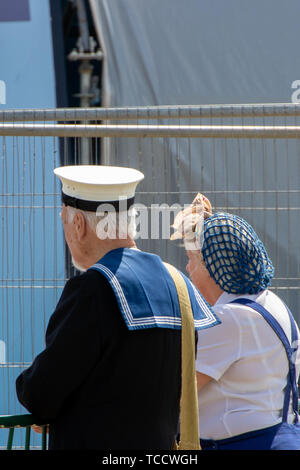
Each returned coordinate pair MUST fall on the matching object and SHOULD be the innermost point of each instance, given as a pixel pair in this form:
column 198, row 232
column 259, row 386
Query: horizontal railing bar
column 153, row 112
column 167, row 208
column 61, row 287
column 21, row 286
column 283, row 288
column 31, row 194
column 11, row 206
column 18, row 447
column 29, row 287
column 66, row 279
column 142, row 131
column 231, row 191
column 39, row 280
column 14, row 364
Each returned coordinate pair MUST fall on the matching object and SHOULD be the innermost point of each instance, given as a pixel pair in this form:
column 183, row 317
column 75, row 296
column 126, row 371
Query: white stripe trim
column 164, row 320
column 210, row 317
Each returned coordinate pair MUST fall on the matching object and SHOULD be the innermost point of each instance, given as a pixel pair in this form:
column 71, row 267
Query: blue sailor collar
column 146, row 293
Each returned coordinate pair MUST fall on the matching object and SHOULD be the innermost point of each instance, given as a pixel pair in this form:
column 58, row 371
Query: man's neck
column 96, row 251
column 110, row 245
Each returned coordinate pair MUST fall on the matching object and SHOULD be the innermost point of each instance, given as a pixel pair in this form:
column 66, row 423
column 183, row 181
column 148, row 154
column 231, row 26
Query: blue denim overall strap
column 290, row 349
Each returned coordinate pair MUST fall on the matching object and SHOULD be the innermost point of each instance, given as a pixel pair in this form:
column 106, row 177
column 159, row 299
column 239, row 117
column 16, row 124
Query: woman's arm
column 202, row 379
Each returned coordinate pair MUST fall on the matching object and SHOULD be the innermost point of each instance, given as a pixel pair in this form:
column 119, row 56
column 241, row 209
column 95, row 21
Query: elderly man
column 110, row 374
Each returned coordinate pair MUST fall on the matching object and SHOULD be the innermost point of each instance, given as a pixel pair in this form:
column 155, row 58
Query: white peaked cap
column 98, row 183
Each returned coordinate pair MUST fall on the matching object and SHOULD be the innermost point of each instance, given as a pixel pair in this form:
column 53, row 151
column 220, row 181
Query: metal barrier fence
column 244, row 158
column 153, row 112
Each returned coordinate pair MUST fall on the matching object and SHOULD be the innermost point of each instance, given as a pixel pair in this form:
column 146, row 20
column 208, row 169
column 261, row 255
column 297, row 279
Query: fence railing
column 143, row 131
column 26, row 421
column 244, row 158
column 153, row 112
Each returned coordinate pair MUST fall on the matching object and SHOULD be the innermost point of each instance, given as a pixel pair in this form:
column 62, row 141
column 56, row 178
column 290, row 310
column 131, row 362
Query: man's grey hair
column 108, row 225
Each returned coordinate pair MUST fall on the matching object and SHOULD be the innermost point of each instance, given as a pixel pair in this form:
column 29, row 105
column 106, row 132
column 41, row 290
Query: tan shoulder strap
column 189, row 424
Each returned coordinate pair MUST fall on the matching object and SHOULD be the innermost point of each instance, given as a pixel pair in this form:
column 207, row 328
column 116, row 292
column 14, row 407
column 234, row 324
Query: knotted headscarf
column 188, row 223
column 232, row 252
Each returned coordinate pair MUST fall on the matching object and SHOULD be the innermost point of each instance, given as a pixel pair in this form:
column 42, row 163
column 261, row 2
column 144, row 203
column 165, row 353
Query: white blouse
column 248, row 366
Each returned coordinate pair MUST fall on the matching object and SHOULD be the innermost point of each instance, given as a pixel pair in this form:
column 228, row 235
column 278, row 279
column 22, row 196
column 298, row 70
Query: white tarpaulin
column 197, row 51
column 171, row 52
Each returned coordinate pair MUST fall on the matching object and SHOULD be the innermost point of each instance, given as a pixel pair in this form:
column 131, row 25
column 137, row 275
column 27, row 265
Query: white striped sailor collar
column 208, row 319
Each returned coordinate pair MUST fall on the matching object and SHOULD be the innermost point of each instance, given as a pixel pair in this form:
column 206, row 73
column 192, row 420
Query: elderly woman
column 248, row 365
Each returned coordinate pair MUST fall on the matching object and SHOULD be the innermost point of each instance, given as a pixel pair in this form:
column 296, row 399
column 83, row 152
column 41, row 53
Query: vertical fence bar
column 44, row 438
column 10, row 438
column 27, row 437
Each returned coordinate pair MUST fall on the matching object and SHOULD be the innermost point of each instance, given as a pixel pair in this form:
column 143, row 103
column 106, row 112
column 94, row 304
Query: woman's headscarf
column 232, row 252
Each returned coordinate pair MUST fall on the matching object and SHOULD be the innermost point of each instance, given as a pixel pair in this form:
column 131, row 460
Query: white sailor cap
column 88, row 186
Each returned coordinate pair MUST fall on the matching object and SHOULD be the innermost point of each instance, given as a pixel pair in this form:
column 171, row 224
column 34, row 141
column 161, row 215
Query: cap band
column 92, row 206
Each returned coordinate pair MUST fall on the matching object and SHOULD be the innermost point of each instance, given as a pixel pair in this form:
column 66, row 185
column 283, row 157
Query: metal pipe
column 10, row 438
column 153, row 112
column 83, row 24
column 27, row 437
column 85, row 71
column 85, row 53
column 141, row 131
column 44, row 438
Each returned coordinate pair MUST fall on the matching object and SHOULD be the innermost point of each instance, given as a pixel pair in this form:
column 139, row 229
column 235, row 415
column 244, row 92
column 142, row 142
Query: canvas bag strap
column 189, row 424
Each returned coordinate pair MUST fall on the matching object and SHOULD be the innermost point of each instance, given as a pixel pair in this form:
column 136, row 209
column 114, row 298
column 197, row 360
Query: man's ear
column 79, row 225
